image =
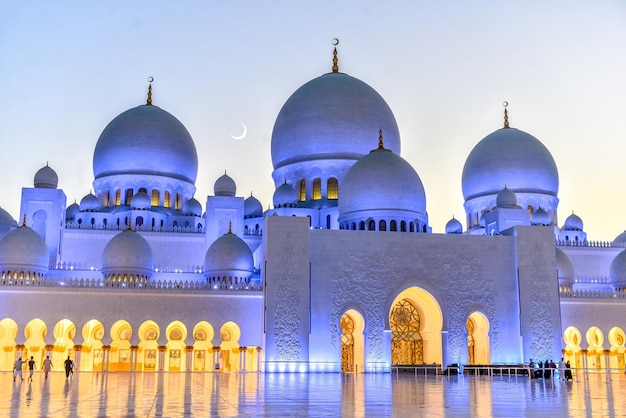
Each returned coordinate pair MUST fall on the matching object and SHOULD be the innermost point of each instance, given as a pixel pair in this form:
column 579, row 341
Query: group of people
column 46, row 367
column 546, row 369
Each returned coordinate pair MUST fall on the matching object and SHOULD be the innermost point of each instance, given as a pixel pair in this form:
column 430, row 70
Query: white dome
column 89, row 203
column 454, row 227
column 252, row 208
column 140, row 201
column 382, row 182
column 621, row 238
column 71, row 211
column 23, row 249
column 618, row 271
column 229, row 255
column 512, row 157
column 46, row 178
column 506, row 199
column 564, row 267
column 331, row 117
column 284, row 195
column 573, row 223
column 127, row 253
column 225, row 186
column 540, row 217
column 6, row 222
column 193, row 207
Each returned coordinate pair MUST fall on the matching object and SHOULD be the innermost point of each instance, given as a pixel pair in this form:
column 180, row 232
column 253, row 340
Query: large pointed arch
column 352, row 326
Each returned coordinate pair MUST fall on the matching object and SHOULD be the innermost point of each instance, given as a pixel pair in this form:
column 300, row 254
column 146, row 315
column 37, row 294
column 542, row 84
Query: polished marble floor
column 123, row 394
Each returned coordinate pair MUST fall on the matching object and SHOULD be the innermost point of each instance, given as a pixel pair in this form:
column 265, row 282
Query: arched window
column 333, row 188
column 411, row 227
column 118, row 197
column 353, row 226
column 371, row 225
column 362, row 226
column 309, row 216
column 302, row 190
column 129, row 196
column 179, row 202
column 166, row 200
column 393, row 226
column 139, row 221
column 155, row 198
column 327, row 221
column 105, row 221
column 317, row 189
column 382, row 225
column 402, row 226
column 107, row 199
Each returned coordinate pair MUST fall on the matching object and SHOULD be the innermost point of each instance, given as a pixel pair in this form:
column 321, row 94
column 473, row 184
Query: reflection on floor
column 232, row 394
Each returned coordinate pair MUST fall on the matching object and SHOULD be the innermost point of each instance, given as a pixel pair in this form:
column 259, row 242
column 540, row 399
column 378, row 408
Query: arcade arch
column 119, row 356
column 617, row 352
column 64, row 332
column 230, row 333
column 147, row 352
column 202, row 335
column 92, row 354
column 176, row 333
column 8, row 334
column 478, row 343
column 35, row 333
column 595, row 350
column 352, row 326
column 573, row 351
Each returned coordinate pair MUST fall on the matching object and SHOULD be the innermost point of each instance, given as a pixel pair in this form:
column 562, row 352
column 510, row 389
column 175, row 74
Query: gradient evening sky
column 67, row 68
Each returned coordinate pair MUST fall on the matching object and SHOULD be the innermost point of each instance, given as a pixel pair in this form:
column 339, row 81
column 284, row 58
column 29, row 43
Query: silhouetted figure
column 69, row 365
column 17, row 368
column 31, row 368
column 46, row 366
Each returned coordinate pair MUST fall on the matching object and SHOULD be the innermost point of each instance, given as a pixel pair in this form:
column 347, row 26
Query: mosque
column 342, row 274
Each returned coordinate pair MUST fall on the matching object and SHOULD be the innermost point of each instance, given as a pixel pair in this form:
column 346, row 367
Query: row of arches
column 167, row 200
column 392, row 225
column 149, row 348
column 595, row 356
column 316, row 192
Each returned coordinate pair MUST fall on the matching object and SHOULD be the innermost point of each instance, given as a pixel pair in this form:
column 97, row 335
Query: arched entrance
column 176, row 333
column 478, row 345
column 229, row 348
column 415, row 322
column 573, row 352
column 64, row 332
column 35, row 333
column 202, row 335
column 119, row 359
column 352, row 342
column 595, row 351
column 92, row 354
column 8, row 334
column 148, row 346
column 617, row 351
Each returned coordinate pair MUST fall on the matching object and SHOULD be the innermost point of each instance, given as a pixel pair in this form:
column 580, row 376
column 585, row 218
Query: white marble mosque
column 344, row 273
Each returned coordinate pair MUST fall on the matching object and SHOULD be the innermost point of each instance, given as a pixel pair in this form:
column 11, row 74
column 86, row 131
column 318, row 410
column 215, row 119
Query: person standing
column 46, row 366
column 562, row 369
column 17, row 368
column 69, row 365
column 31, row 368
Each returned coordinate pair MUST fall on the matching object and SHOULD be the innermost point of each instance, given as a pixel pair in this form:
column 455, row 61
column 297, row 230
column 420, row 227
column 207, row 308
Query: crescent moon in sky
column 243, row 134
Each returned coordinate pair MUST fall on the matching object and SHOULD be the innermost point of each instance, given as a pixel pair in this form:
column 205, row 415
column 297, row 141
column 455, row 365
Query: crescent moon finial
column 335, row 59
column 506, row 114
column 149, row 101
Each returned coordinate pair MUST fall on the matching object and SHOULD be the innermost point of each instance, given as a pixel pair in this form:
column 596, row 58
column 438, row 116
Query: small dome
column 89, row 203
column 72, row 211
column 127, row 253
column 23, row 249
column 564, row 267
column 284, row 195
column 193, row 207
column 229, row 255
column 573, row 223
column 540, row 217
column 6, row 222
column 617, row 272
column 382, row 181
column 506, row 199
column 252, row 208
column 454, row 227
column 225, row 186
column 621, row 238
column 46, row 178
column 140, row 201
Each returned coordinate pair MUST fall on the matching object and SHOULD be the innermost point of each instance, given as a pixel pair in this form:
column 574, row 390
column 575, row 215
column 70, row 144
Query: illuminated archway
column 92, row 354
column 595, row 350
column 203, row 335
column 176, row 333
column 617, row 350
column 478, row 343
column 8, row 334
column 573, row 351
column 63, row 332
column 352, row 342
column 148, row 352
column 35, row 332
column 415, row 321
column 229, row 348
column 119, row 356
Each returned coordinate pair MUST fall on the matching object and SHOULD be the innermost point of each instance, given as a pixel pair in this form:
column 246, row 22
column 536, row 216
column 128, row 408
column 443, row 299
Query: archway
column 63, row 332
column 573, row 352
column 595, row 350
column 617, row 350
column 203, row 335
column 176, row 333
column 35, row 333
column 119, row 357
column 229, row 348
column 352, row 342
column 147, row 354
column 92, row 355
column 8, row 334
column 415, row 321
column 478, row 343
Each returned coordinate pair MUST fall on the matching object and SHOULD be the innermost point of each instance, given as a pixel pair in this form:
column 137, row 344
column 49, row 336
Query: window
column 333, row 188
column 403, row 226
column 166, row 201
column 107, row 199
column 371, row 225
column 382, row 226
column 129, row 196
column 393, row 226
column 302, row 190
column 317, row 189
column 179, row 202
column 327, row 221
column 155, row 198
column 118, row 197
column 362, row 226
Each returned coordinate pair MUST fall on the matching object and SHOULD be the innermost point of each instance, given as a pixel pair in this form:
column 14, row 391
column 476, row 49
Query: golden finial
column 24, row 221
column 506, row 114
column 149, row 101
column 230, row 227
column 380, row 139
column 335, row 59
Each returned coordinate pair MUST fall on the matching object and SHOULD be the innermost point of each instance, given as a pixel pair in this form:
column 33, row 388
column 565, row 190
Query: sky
column 67, row 68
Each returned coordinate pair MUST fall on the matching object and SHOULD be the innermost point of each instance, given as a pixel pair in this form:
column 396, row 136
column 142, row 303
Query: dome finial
column 149, row 101
column 381, row 145
column 24, row 221
column 335, row 59
column 230, row 227
column 506, row 114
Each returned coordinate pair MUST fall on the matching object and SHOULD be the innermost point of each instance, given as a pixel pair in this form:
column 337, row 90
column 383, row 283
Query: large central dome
column 331, row 117
column 146, row 140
